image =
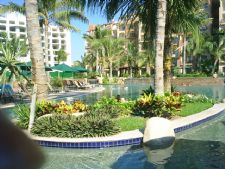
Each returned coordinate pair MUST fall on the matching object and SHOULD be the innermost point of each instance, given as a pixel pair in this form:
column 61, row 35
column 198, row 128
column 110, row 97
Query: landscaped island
column 108, row 116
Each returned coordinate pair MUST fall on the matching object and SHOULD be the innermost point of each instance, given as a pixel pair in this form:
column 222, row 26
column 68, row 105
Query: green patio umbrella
column 64, row 68
column 80, row 69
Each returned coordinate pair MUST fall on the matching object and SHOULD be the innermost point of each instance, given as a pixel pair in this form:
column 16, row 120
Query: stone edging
column 130, row 137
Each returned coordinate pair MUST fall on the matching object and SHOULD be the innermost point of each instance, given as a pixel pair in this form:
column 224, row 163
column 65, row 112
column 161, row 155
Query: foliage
column 148, row 91
column 10, row 50
column 56, row 82
column 90, row 125
column 61, row 55
column 49, row 107
column 44, row 107
column 149, row 105
column 22, row 112
column 197, row 74
column 112, row 107
column 191, row 98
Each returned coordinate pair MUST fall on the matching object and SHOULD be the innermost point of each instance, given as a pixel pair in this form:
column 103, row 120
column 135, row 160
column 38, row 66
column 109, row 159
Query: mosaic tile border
column 83, row 145
column 105, row 144
column 196, row 123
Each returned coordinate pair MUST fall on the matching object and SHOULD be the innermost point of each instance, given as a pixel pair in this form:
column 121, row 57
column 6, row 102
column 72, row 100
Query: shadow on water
column 183, row 154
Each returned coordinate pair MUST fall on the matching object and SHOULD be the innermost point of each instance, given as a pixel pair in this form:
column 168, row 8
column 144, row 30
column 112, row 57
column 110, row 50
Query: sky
column 77, row 42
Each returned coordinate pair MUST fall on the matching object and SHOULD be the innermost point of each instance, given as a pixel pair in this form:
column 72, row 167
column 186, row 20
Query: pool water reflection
column 132, row 91
column 202, row 147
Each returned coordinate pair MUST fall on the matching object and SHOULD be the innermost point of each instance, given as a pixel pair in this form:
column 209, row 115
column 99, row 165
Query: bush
column 161, row 106
column 22, row 112
column 112, row 107
column 57, row 82
column 90, row 125
column 191, row 98
column 49, row 107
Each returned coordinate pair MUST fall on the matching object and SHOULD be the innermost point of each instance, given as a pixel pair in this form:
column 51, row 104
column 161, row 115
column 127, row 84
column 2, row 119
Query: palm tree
column 34, row 38
column 57, row 12
column 11, row 50
column 95, row 43
column 153, row 13
column 61, row 55
column 113, row 50
column 36, row 55
column 216, row 49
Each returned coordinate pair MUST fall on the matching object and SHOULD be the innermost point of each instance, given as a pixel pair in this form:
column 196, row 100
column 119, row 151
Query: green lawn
column 132, row 122
column 193, row 108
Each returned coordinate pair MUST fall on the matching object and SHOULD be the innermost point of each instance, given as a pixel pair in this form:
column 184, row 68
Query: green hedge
column 74, row 127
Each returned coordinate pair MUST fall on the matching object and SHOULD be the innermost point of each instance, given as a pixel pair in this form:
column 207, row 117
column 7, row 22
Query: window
column 22, row 36
column 22, row 29
column 122, row 27
column 3, row 21
column 11, row 22
column 2, row 28
column 12, row 29
column 22, row 23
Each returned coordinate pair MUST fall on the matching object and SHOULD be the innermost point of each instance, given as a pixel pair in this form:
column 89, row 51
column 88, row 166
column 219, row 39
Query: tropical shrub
column 161, row 106
column 57, row 82
column 22, row 112
column 44, row 107
column 113, row 107
column 191, row 98
column 90, row 125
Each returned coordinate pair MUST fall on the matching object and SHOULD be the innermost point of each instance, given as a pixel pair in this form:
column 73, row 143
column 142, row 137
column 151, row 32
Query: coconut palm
column 153, row 13
column 113, row 51
column 95, row 43
column 10, row 51
column 52, row 12
column 61, row 55
column 34, row 37
column 216, row 49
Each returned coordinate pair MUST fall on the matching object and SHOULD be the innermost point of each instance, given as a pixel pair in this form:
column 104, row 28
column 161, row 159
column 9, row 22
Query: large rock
column 158, row 133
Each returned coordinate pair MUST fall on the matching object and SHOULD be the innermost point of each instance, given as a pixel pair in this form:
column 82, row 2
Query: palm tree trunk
column 46, row 43
column 97, row 62
column 160, row 35
column 214, row 66
column 36, row 53
column 167, row 64
column 110, row 69
column 184, row 56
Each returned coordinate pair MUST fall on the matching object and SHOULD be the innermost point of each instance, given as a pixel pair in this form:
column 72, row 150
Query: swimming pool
column 133, row 90
column 201, row 147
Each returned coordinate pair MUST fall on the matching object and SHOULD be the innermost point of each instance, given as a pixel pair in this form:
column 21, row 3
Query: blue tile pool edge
column 117, row 143
column 83, row 145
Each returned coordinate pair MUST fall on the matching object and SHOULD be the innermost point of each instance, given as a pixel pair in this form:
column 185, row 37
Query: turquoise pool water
column 202, row 147
column 133, row 91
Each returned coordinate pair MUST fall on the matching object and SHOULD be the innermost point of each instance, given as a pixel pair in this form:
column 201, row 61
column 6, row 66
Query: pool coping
column 134, row 137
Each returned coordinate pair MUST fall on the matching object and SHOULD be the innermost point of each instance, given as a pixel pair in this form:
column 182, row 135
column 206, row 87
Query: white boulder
column 158, row 133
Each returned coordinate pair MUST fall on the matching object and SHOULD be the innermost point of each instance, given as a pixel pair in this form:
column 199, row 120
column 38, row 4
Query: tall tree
column 61, row 55
column 36, row 52
column 57, row 12
column 95, row 44
column 113, row 50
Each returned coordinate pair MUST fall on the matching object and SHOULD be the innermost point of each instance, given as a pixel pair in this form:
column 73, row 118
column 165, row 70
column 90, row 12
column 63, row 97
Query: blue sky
column 77, row 40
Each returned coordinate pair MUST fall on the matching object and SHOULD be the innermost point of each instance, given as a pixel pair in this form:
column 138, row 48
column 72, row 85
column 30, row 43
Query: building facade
column 14, row 25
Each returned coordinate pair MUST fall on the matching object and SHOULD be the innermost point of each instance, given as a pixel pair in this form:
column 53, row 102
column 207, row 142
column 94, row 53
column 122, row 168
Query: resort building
column 123, row 29
column 14, row 24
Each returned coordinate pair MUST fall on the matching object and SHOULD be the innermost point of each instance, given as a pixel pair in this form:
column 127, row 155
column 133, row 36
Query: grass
column 131, row 123
column 193, row 108
column 134, row 122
